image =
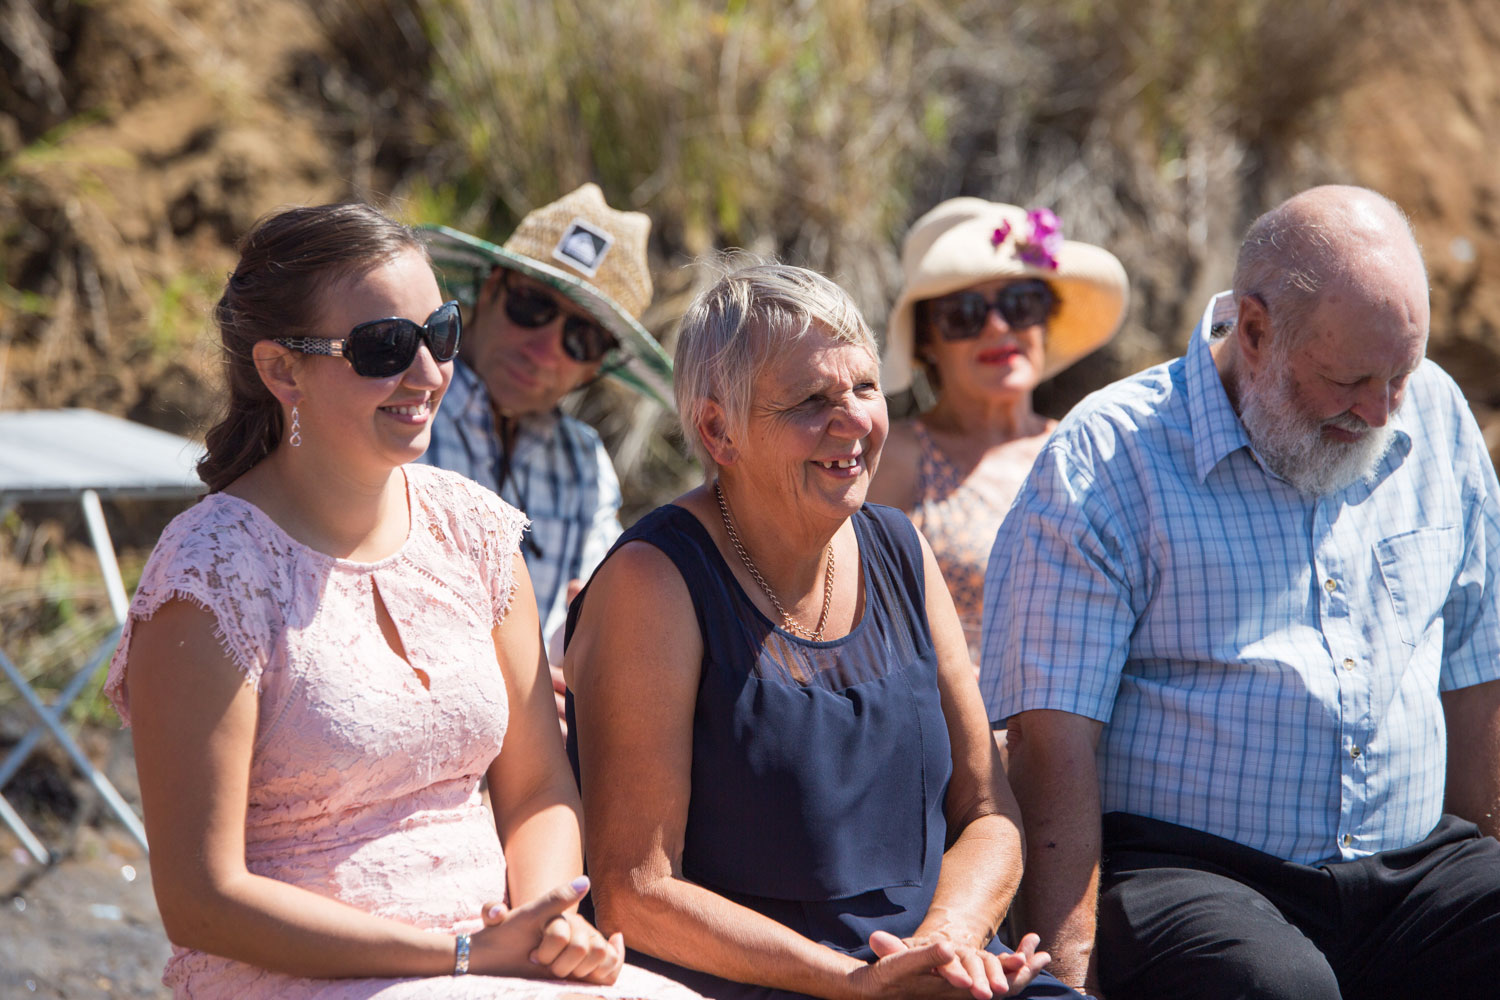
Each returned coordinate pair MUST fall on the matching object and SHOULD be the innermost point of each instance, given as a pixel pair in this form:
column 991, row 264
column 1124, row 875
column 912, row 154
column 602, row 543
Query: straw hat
column 967, row 241
column 591, row 253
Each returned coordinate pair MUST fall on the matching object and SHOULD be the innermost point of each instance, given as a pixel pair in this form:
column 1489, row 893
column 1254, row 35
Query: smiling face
column 525, row 369
column 815, row 429
column 373, row 423
column 1001, row 361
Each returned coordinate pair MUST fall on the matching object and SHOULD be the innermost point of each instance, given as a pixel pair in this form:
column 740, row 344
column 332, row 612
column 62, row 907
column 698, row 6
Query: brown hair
column 286, row 264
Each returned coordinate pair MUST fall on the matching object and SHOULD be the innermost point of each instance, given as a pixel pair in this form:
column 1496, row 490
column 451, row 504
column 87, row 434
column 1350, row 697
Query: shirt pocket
column 1418, row 568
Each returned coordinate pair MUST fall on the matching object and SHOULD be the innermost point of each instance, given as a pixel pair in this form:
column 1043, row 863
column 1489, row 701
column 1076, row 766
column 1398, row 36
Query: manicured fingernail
column 495, row 913
column 580, row 884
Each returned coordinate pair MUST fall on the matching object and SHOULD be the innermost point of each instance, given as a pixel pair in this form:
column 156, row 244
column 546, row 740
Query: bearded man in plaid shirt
column 1243, row 623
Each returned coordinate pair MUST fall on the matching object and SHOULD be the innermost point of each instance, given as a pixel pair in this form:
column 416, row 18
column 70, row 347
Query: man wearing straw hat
column 552, row 308
column 1243, row 604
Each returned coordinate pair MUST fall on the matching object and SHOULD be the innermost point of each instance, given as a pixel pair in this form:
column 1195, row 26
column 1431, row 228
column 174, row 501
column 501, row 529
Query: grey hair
column 1284, row 262
column 753, row 312
column 1291, row 253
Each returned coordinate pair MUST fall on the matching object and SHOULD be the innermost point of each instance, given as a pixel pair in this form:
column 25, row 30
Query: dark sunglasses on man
column 529, row 307
column 381, row 348
column 962, row 315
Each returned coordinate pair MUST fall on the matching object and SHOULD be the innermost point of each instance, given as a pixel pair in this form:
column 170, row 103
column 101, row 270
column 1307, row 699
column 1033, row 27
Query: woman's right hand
column 902, row 971
column 543, row 938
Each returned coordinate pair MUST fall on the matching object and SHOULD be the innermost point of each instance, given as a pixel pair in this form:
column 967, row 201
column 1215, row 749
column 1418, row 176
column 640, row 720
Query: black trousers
column 1190, row 915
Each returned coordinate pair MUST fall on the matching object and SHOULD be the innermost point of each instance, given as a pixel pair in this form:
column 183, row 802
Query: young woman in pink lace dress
column 328, row 652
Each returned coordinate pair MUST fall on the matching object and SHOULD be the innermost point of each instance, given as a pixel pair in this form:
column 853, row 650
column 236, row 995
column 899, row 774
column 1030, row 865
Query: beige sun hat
column 593, row 254
column 968, row 241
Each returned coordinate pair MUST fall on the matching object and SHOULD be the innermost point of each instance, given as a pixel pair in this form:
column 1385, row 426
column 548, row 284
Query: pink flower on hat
column 1040, row 250
column 1000, row 235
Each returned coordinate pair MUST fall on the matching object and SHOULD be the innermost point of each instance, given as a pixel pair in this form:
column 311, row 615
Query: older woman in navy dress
column 787, row 770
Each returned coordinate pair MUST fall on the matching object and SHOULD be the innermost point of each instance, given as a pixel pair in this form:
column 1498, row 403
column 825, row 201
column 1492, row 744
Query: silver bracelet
column 461, row 955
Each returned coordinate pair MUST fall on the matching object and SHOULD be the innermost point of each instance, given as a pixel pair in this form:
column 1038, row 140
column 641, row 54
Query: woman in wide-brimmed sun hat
column 994, row 302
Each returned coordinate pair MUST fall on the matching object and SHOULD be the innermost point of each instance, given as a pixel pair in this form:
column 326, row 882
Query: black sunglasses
column 583, row 340
column 385, row 347
column 962, row 315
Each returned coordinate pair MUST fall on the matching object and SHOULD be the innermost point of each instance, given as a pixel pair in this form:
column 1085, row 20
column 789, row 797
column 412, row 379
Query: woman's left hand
column 1023, row 964
column 983, row 974
column 571, row 947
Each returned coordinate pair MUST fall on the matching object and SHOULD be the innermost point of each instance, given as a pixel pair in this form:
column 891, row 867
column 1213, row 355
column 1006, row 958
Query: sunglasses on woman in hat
column 962, row 315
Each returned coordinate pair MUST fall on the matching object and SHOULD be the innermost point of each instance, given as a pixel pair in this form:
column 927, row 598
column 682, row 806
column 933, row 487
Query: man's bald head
column 1324, row 241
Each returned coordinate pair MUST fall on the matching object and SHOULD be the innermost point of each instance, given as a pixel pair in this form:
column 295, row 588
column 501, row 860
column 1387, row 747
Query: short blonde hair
column 754, row 311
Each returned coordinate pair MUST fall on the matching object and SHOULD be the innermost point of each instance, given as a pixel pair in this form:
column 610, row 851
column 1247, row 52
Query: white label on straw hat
column 583, row 246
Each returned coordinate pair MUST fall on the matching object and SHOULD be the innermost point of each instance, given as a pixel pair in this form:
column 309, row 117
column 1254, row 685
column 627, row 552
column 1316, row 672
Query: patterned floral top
column 960, row 522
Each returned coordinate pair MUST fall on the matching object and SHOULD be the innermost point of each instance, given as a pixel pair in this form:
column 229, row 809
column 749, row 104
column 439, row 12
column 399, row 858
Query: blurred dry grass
column 784, row 128
column 817, row 130
column 139, row 138
column 811, row 130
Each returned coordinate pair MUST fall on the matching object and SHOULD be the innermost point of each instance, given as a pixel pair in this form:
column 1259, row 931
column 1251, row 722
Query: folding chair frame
column 51, row 715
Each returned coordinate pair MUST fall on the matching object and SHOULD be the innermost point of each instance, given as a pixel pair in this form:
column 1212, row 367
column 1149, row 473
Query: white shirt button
column 1346, row 840
column 1348, row 663
column 1330, row 585
column 1355, row 752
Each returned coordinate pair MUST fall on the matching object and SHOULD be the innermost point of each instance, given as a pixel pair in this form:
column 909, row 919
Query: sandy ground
column 86, row 926
column 83, row 928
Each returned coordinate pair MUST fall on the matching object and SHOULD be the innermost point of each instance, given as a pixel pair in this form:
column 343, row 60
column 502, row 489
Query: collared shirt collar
column 1217, row 431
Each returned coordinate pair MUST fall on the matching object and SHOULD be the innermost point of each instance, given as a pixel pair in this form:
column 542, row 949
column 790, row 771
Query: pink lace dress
column 364, row 781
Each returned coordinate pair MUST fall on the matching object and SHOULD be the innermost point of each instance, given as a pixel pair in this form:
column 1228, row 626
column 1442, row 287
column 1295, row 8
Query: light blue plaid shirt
column 560, row 477
column 1267, row 666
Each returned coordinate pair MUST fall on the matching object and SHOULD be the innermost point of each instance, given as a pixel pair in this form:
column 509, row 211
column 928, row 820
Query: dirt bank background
column 139, row 138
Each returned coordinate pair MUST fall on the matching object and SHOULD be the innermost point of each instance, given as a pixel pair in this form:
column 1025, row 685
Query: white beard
column 1292, row 444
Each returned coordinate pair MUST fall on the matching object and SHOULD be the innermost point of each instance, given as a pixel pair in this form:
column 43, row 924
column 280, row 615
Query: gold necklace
column 787, row 621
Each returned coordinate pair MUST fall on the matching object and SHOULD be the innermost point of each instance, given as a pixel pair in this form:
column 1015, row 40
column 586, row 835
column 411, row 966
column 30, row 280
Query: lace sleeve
column 201, row 558
column 485, row 527
column 499, row 527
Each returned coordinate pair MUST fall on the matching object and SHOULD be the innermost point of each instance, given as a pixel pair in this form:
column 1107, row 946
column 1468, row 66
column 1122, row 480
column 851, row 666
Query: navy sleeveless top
column 819, row 768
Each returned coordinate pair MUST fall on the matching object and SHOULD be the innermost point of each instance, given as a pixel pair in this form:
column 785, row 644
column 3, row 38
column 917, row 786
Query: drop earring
column 296, row 437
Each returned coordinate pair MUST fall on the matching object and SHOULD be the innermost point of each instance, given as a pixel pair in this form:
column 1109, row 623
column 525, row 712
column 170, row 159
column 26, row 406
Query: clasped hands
column 546, row 938
column 936, row 965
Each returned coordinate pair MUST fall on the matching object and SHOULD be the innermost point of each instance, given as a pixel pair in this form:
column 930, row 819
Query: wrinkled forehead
column 815, row 362
column 1362, row 325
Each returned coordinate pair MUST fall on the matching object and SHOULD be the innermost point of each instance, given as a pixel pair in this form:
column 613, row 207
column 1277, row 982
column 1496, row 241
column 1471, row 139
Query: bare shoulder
column 638, row 572
column 636, row 606
column 179, row 639
column 895, row 482
column 179, row 670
